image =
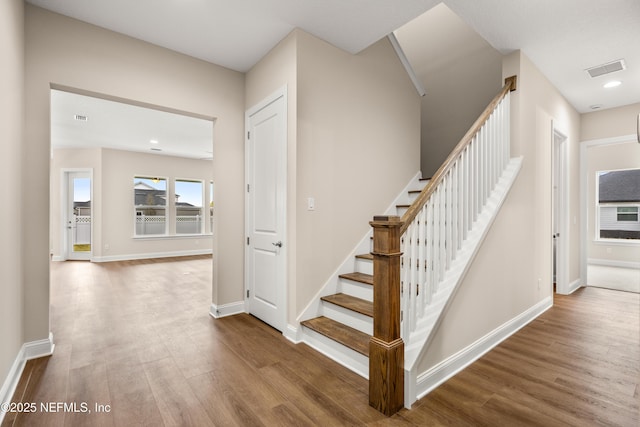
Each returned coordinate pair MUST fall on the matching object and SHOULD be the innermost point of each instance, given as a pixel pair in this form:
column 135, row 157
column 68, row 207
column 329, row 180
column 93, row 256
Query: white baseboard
column 131, row 257
column 429, row 380
column 218, row 311
column 574, row 286
column 57, row 258
column 291, row 333
column 614, row 263
column 30, row 350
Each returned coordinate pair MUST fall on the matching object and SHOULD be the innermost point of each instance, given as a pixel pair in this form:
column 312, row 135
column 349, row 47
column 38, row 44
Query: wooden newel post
column 386, row 349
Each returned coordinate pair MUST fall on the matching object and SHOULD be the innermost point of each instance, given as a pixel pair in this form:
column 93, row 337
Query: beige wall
column 113, row 172
column 609, row 123
column 517, row 251
column 67, row 52
column 460, row 72
column 353, row 145
column 11, row 143
column 358, row 145
column 601, row 158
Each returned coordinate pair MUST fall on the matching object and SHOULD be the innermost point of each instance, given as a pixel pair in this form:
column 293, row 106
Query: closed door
column 266, row 207
column 78, row 216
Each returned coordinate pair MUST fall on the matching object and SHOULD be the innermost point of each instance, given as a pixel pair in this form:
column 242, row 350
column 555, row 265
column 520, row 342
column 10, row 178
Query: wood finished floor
column 137, row 336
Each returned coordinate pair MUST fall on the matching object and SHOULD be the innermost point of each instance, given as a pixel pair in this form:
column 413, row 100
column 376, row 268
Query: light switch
column 311, row 204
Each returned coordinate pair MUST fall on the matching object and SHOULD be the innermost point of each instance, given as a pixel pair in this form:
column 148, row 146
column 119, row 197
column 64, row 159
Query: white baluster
column 412, row 274
column 421, row 273
column 429, row 250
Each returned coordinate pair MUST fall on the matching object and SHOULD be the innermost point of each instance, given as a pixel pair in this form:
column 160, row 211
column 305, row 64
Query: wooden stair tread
column 415, row 191
column 352, row 303
column 402, row 206
column 358, row 277
column 343, row 334
column 365, row 256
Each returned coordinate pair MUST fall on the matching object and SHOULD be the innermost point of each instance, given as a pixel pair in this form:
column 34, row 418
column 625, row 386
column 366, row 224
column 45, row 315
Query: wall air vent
column 610, row 67
column 81, row 118
column 156, row 149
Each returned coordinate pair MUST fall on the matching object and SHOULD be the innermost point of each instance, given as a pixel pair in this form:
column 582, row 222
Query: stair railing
column 412, row 254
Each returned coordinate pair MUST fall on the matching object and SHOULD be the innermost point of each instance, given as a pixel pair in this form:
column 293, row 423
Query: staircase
column 344, row 326
column 380, row 325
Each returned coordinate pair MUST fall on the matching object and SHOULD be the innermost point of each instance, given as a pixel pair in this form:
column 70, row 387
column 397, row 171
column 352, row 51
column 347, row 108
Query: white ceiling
column 562, row 37
column 128, row 127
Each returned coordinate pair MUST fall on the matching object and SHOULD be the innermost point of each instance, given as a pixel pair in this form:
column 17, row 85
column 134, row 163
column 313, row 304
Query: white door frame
column 283, row 250
column 64, row 211
column 560, row 210
column 585, row 211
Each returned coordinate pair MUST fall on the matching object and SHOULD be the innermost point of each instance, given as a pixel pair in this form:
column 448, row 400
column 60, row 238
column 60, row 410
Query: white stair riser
column 355, row 289
column 364, row 266
column 348, row 317
column 401, row 211
column 348, row 358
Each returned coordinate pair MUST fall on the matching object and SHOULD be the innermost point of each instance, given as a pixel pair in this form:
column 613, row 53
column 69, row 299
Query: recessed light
column 612, row 83
column 153, row 141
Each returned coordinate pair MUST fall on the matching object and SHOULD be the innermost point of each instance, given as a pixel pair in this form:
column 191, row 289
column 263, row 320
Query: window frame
column 201, row 207
column 167, row 215
column 597, row 217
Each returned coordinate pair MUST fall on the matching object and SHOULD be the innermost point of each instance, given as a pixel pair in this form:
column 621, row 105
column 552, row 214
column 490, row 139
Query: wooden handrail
column 416, row 206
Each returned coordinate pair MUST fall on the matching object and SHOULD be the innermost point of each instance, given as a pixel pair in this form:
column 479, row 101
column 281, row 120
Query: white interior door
column 265, row 255
column 560, row 211
column 78, row 215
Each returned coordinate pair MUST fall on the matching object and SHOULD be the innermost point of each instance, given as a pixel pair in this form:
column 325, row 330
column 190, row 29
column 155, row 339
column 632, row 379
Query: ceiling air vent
column 81, row 118
column 610, row 67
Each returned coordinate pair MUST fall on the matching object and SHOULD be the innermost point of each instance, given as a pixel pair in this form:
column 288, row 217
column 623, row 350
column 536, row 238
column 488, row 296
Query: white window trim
column 167, row 215
column 597, row 239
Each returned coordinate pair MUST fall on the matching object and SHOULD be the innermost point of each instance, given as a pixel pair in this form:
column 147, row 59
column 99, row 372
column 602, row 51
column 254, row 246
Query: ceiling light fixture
column 153, row 141
column 612, row 83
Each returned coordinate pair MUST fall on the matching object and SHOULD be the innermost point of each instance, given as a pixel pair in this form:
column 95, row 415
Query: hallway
column 135, row 337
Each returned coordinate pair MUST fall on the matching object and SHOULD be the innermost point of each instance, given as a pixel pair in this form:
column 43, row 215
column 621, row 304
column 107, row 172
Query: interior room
column 286, row 212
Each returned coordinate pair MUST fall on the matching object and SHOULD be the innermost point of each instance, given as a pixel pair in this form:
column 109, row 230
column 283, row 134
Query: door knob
column 278, row 244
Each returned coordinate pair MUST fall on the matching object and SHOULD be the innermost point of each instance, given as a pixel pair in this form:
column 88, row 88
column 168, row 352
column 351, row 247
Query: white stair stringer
column 418, row 342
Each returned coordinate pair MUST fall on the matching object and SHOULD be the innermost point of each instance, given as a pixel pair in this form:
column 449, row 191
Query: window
column 618, row 199
column 189, row 200
column 627, row 214
column 150, row 200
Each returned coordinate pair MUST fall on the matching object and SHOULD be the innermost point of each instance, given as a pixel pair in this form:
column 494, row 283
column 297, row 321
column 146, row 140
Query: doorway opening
column 77, row 214
column 610, row 202
column 560, row 221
